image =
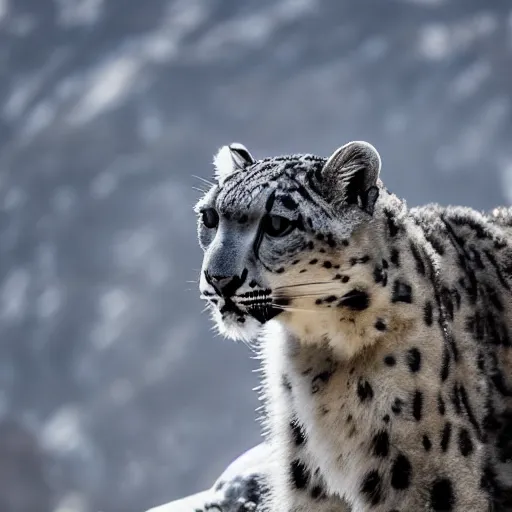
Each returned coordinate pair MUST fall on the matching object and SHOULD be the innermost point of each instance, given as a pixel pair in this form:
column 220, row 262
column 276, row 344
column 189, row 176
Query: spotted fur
column 385, row 332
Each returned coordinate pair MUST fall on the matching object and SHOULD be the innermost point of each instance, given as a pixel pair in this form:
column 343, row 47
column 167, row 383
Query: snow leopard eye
column 276, row 226
column 210, row 218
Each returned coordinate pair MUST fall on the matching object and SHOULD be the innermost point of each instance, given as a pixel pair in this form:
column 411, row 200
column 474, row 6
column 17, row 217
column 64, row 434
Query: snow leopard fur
column 385, row 332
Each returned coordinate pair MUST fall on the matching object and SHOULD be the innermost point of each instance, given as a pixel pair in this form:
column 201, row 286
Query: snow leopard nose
column 222, row 282
column 226, row 286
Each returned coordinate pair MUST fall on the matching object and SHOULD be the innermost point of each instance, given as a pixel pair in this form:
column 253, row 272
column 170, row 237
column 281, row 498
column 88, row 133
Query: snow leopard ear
column 229, row 159
column 350, row 175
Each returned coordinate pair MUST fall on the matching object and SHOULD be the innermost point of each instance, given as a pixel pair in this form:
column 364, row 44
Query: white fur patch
column 229, row 159
column 224, row 163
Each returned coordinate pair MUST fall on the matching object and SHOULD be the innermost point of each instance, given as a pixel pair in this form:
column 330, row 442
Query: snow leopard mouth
column 258, row 304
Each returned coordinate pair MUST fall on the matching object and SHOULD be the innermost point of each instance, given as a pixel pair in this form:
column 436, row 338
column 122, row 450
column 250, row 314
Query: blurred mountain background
column 114, row 394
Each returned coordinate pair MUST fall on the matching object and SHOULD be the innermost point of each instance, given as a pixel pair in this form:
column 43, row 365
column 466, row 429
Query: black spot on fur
column 345, row 279
column 417, row 405
column 392, row 225
column 299, row 474
column 395, row 257
column 288, row 202
column 465, row 443
column 330, row 298
column 313, row 261
column 420, row 265
column 253, row 284
column 390, row 360
column 441, row 495
column 364, row 390
column 469, row 410
column 280, row 270
column 402, row 292
column 327, row 264
column 414, row 360
column 455, row 396
column 380, row 325
column 316, row 492
column 386, row 418
column 445, row 364
column 446, row 435
column 380, row 275
column 428, row 314
column 397, row 406
column 285, row 382
column 297, row 432
column 282, row 301
column 401, row 473
column 371, row 487
column 380, row 444
column 427, row 444
column 318, row 380
column 356, row 300
column 497, row 269
column 440, row 405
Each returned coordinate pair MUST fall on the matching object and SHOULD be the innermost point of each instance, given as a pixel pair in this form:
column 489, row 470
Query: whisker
column 332, row 291
column 291, row 308
column 204, row 180
column 207, row 297
column 199, row 190
column 302, row 284
column 308, row 295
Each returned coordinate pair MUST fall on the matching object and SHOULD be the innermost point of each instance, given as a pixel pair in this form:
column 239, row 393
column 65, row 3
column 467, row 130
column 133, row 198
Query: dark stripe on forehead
column 287, row 174
column 248, row 180
column 289, row 165
column 241, row 187
column 270, row 201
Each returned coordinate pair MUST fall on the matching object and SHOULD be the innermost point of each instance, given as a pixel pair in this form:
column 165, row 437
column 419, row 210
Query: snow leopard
column 384, row 332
